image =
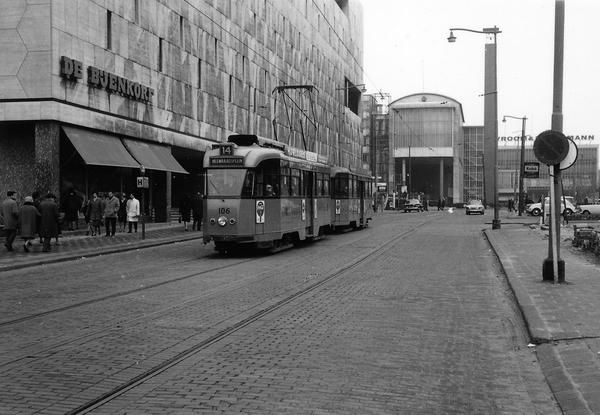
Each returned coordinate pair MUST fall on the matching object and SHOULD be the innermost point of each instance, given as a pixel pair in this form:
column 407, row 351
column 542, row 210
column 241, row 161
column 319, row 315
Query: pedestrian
column 71, row 208
column 440, row 204
column 86, row 217
column 111, row 208
column 443, row 203
column 36, row 202
column 185, row 208
column 28, row 219
column 197, row 211
column 133, row 212
column 94, row 212
column 122, row 214
column 425, row 204
column 10, row 214
column 49, row 221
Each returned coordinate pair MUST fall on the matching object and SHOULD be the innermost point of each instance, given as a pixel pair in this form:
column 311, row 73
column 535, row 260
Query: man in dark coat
column 10, row 214
column 28, row 221
column 48, row 221
column 72, row 208
column 197, row 211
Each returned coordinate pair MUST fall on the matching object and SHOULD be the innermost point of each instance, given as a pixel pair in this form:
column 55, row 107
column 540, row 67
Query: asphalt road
column 409, row 316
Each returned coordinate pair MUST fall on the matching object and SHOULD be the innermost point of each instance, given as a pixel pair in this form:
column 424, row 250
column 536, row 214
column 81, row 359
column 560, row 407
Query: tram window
column 307, row 187
column 326, row 191
column 295, row 183
column 248, row 183
column 284, row 187
column 225, row 182
column 319, row 184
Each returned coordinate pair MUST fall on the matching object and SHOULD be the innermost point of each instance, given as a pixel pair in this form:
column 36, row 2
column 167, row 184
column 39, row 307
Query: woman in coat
column 94, row 211
column 49, row 221
column 28, row 218
column 133, row 212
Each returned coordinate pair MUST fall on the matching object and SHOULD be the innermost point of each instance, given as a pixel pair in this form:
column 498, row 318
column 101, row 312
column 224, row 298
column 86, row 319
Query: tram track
column 158, row 360
column 224, row 333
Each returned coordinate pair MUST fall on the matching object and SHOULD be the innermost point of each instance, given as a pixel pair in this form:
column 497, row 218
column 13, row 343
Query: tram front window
column 225, row 182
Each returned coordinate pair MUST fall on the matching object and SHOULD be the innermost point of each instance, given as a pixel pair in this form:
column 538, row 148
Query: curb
column 65, row 257
column 565, row 389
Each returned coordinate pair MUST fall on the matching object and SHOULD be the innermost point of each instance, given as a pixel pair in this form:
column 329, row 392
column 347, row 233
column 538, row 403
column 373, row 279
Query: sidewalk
column 75, row 244
column 563, row 319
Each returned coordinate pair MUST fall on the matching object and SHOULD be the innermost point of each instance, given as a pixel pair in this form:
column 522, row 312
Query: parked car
column 535, row 209
column 593, row 209
column 474, row 206
column 413, row 204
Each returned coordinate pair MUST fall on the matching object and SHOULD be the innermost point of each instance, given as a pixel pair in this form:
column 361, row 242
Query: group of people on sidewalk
column 34, row 217
column 111, row 210
column 41, row 217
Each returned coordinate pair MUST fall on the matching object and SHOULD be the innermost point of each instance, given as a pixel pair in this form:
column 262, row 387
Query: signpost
column 143, row 184
column 551, row 148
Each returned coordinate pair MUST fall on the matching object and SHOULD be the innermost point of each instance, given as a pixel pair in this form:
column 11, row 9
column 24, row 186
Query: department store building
column 96, row 93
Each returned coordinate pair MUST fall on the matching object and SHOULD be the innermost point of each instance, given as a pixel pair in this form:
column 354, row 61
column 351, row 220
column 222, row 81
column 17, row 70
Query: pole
column 496, row 221
column 553, row 267
column 522, row 174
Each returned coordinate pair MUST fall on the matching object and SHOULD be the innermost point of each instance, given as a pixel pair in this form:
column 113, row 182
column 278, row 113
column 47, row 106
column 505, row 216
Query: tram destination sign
column 227, row 161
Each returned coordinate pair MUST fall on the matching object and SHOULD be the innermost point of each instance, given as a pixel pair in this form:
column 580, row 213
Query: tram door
column 309, row 207
column 361, row 203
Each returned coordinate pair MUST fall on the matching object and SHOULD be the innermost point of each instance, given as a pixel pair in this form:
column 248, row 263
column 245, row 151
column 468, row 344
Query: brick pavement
column 563, row 319
column 75, row 245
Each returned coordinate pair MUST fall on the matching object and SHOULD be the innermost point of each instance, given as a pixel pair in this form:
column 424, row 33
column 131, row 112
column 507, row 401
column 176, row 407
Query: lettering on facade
column 73, row 70
column 589, row 137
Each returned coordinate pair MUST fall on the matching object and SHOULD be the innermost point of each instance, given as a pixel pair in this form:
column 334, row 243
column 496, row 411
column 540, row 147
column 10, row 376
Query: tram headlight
column 222, row 221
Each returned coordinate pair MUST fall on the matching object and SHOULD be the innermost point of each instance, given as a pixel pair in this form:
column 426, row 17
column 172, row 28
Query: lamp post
column 363, row 90
column 489, row 31
column 522, row 166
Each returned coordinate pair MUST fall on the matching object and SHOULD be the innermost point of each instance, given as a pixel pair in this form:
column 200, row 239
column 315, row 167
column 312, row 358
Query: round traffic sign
column 551, row 147
column 571, row 156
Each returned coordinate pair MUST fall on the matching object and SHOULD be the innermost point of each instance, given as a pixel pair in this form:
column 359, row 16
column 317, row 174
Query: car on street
column 535, row 209
column 474, row 206
column 593, row 209
column 413, row 204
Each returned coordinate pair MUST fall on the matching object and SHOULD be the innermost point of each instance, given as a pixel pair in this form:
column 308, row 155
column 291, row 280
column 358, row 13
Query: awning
column 153, row 156
column 100, row 149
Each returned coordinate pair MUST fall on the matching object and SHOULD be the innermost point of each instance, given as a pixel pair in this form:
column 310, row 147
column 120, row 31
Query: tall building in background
column 91, row 91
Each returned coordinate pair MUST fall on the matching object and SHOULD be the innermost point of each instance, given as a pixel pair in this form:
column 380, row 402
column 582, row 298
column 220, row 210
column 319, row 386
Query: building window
column 108, row 29
column 160, row 54
column 136, row 11
column 199, row 73
column 230, row 98
column 181, row 37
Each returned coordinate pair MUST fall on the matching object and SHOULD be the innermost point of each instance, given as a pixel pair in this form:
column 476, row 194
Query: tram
column 262, row 194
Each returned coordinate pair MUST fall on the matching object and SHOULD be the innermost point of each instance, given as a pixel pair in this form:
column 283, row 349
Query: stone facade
column 212, row 66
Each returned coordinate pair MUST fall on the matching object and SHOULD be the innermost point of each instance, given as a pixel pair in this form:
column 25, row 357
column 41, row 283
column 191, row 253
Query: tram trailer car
column 351, row 199
column 258, row 196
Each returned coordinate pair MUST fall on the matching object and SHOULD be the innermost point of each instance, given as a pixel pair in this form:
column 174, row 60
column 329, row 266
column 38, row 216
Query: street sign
column 551, row 147
column 532, row 170
column 142, row 182
column 571, row 155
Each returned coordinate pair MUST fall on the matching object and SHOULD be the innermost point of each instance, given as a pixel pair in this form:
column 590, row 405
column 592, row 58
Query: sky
column 406, row 51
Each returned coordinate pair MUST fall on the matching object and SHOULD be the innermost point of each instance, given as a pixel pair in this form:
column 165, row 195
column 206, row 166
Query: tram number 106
column 224, row 211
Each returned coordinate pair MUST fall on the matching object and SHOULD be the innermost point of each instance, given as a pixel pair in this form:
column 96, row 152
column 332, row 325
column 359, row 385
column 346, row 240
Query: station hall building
column 95, row 94
column 418, row 146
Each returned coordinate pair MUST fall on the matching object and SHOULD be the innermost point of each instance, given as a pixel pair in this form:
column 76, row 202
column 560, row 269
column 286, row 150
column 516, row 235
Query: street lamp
column 522, row 173
column 350, row 86
column 489, row 31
